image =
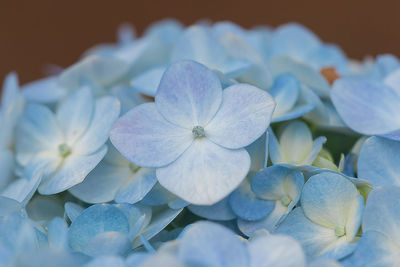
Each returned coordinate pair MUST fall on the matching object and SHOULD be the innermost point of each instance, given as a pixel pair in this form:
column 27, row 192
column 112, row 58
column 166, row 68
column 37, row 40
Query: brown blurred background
column 36, row 33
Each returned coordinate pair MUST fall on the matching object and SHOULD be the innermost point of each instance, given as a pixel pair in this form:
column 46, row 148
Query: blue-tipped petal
column 145, row 138
column 379, row 162
column 189, row 94
column 244, row 107
column 366, row 107
column 220, row 211
column 246, row 205
column 209, row 244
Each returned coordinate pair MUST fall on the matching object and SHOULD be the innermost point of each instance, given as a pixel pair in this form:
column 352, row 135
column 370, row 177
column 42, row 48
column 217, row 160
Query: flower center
column 340, row 231
column 134, row 168
column 198, row 131
column 64, row 150
column 285, row 200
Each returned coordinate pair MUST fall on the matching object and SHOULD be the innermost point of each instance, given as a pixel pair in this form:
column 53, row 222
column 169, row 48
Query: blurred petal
column 72, row 210
column 243, row 117
column 189, row 94
column 145, row 138
column 147, row 82
column 367, row 107
column 220, row 211
column 379, row 162
column 205, row 173
column 285, row 91
column 209, row 244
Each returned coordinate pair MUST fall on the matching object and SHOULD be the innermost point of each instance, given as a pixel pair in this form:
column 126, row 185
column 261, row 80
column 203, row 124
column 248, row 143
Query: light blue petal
column 384, row 64
column 375, row 249
column 102, row 71
column 95, row 220
column 274, row 148
column 199, row 44
column 106, row 261
column 108, row 243
column 137, row 187
column 57, row 233
column 330, row 200
column 44, row 91
column 44, row 208
column 209, row 244
column 276, row 250
column 304, row 73
column 7, row 165
column 366, row 107
column 128, row 97
column 285, row 92
column 379, row 162
column 244, row 107
column 145, row 138
column 392, row 80
column 246, row 205
column 205, row 173
column 102, row 184
column 258, row 153
column 147, row 82
column 160, row 219
column 72, row 210
column 157, row 196
column 316, row 148
column 162, row 259
column 220, row 211
column 298, row 111
column 328, row 55
column 314, row 238
column 382, row 212
column 106, row 111
column 189, row 94
column 74, row 114
column 138, row 217
column 73, row 171
column 276, row 182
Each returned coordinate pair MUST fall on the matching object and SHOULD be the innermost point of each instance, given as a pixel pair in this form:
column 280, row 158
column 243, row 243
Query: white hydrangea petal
column 189, row 94
column 205, row 173
column 296, row 142
column 145, row 138
column 243, row 117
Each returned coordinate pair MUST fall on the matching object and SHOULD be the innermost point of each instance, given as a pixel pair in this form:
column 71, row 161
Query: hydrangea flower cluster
column 207, row 145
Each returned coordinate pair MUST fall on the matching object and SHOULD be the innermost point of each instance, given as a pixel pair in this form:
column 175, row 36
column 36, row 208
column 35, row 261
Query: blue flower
column 329, row 218
column 194, row 133
column 67, row 144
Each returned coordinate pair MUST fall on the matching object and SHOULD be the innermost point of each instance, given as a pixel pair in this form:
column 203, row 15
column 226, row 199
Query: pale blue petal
column 274, row 148
column 258, row 153
column 72, row 210
column 383, row 65
column 73, row 171
column 276, row 182
column 147, row 82
column 162, row 259
column 108, row 243
column 137, row 187
column 189, row 94
column 331, row 200
column 246, row 205
column 328, row 55
column 205, row 173
column 220, row 211
column 160, row 219
column 316, row 148
column 102, row 184
column 145, row 138
column 298, row 111
column 93, row 221
column 276, row 250
column 57, row 233
column 209, row 244
column 106, row 111
column 379, row 162
column 102, row 71
column 199, row 44
column 157, row 196
column 138, row 217
column 7, row 164
column 44, row 91
column 106, row 261
column 366, row 107
column 128, row 97
column 304, row 73
column 36, row 131
column 314, row 238
column 243, row 117
column 382, row 212
column 375, row 249
column 393, row 80
column 285, row 92
column 74, row 114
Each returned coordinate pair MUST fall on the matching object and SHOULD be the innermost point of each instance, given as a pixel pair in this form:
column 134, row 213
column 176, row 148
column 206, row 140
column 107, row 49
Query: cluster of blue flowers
column 208, row 145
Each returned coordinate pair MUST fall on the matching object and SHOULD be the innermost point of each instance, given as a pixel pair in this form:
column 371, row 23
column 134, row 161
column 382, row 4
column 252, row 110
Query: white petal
column 205, row 173
column 244, row 116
